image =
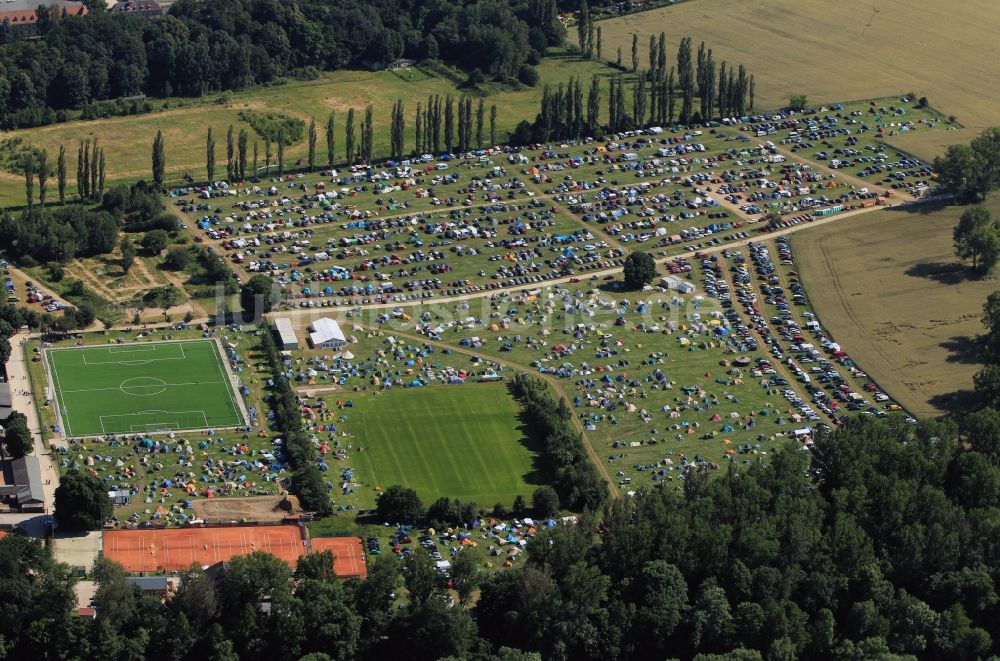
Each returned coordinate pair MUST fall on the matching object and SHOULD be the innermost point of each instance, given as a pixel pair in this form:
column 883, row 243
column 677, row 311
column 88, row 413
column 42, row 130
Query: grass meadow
column 127, row 139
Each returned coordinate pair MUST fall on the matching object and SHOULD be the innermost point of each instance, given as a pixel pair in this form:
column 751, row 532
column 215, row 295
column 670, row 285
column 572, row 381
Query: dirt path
column 78, row 271
column 23, row 399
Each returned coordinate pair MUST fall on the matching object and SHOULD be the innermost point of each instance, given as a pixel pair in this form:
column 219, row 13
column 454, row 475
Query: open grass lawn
column 855, row 49
column 459, row 441
column 127, row 140
column 142, row 388
column 887, row 285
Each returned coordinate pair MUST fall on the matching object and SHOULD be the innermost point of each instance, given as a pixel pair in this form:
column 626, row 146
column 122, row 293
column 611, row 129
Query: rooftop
column 31, row 5
column 325, row 330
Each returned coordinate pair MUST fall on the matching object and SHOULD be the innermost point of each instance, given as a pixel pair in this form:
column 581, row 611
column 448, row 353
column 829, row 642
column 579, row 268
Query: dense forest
column 200, row 46
column 880, row 543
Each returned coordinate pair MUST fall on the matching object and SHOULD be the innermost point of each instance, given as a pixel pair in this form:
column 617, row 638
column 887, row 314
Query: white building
column 326, row 334
column 286, row 334
column 673, row 283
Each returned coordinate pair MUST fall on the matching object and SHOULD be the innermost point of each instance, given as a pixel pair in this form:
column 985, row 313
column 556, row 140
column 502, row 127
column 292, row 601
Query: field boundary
column 231, row 379
column 52, row 379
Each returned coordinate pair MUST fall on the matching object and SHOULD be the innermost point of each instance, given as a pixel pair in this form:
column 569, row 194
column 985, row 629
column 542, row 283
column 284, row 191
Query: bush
column 177, row 259
column 154, row 242
column 528, row 75
column 477, row 77
column 797, row 102
column 522, row 134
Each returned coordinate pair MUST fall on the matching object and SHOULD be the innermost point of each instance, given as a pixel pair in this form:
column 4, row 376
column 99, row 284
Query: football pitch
column 459, row 441
column 132, row 388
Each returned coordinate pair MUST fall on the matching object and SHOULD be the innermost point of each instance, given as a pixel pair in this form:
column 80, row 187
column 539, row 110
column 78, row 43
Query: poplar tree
column 396, row 129
column 61, row 174
column 29, row 177
column 241, row 154
column 210, row 155
column 100, row 176
column 330, row 140
column 449, row 123
column 94, row 193
column 593, row 104
column 418, row 125
column 480, row 119
column 85, row 170
column 367, row 135
column 159, row 159
column 43, row 176
column 349, row 137
column 281, row 153
column 230, row 151
column 311, row 154
column 79, row 171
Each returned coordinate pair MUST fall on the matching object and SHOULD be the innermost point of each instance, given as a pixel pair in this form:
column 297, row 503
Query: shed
column 286, row 334
column 673, row 283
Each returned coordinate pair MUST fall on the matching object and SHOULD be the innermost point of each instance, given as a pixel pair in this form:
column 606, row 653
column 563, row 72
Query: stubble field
column 888, row 286
column 853, row 49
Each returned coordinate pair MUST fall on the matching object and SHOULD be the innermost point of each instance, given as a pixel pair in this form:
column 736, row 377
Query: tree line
column 199, row 47
column 564, row 455
column 307, row 481
column 90, row 173
column 971, row 171
column 438, row 128
column 656, row 96
column 879, row 542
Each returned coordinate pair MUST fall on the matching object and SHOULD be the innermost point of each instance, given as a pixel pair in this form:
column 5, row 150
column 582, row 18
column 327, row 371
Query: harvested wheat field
column 839, row 51
column 888, row 287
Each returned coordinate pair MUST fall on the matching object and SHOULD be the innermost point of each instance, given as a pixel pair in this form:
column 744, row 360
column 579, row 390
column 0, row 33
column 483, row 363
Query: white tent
column 326, row 334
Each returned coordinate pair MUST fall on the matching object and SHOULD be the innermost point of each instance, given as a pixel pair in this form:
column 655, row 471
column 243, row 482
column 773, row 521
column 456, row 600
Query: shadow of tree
column 943, row 273
column 958, row 403
column 965, row 349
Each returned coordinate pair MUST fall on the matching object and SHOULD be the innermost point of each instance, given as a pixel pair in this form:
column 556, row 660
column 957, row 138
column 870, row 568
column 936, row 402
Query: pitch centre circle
column 143, row 386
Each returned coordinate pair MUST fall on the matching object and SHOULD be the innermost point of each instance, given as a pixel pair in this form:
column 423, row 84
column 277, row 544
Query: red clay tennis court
column 348, row 555
column 174, row 549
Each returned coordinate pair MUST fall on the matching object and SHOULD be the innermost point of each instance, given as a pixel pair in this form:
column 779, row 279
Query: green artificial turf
column 149, row 387
column 461, row 441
